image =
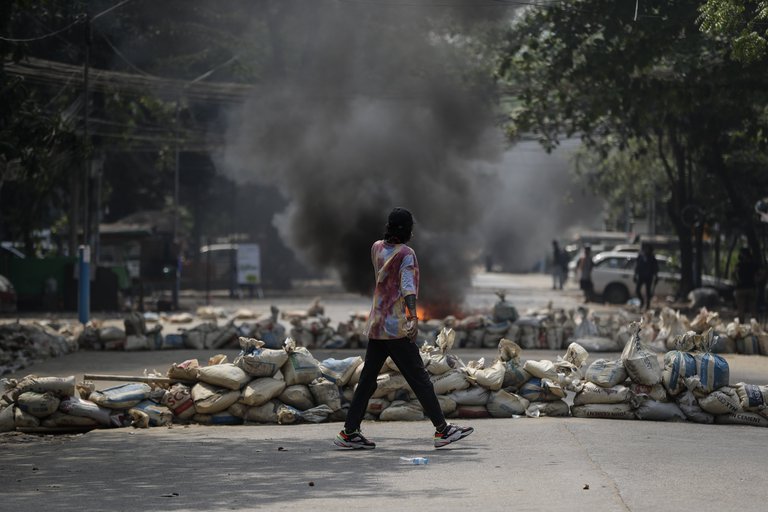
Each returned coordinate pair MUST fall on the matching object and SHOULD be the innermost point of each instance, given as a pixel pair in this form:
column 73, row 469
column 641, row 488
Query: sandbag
column 339, row 371
column 576, row 355
column 326, row 392
column 158, row 415
column 224, row 375
column 659, row 411
column 355, row 378
column 264, row 413
column 748, row 345
column 60, row 420
column 61, row 387
column 449, row 381
column 447, row 404
column 7, row 422
column 541, row 369
column 514, row 374
column 503, row 404
column 721, row 401
column 261, row 390
column 712, row 370
column 440, row 361
column 258, row 361
column 376, row 405
column 606, row 373
column 690, row 406
column 179, row 400
column 301, row 367
column 641, row 364
column 124, row 396
column 591, row 393
column 474, row 395
column 606, row 411
column 597, row 344
column 39, row 405
column 219, row 418
column 752, row 397
column 316, row 414
column 553, row 409
column 678, row 366
column 287, row 415
column 655, row 392
column 24, row 420
column 186, row 370
column 389, row 382
column 210, row 399
column 297, row 396
column 402, row 411
column 76, row 406
column 742, row 418
column 470, row 411
column 490, row 378
column 541, row 390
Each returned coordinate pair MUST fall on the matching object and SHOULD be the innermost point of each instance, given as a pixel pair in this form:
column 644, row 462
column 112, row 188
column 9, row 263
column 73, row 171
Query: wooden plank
column 130, row 378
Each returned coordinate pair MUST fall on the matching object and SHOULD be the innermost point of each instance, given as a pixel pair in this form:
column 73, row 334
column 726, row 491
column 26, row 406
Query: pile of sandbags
column 288, row 385
column 22, row 344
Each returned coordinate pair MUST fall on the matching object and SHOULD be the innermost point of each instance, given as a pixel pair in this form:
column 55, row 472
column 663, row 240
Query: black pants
column 408, row 360
column 648, row 283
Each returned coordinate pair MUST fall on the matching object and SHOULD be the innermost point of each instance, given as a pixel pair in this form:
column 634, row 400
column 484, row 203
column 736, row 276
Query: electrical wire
column 80, row 18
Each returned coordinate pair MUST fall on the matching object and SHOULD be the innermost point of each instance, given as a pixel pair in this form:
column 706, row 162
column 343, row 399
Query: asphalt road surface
column 548, row 464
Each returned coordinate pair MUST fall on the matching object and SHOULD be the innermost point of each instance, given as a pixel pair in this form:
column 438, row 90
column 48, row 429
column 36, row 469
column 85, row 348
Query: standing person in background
column 584, row 268
column 745, row 292
column 559, row 269
column 392, row 329
column 646, row 274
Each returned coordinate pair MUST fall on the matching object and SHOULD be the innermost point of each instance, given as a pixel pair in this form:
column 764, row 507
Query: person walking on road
column 745, row 291
column 392, row 328
column 559, row 266
column 584, row 268
column 646, row 274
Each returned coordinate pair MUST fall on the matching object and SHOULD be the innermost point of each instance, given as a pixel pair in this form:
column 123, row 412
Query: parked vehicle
column 613, row 272
column 8, row 299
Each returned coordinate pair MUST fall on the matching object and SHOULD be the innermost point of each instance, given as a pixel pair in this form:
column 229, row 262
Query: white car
column 613, row 271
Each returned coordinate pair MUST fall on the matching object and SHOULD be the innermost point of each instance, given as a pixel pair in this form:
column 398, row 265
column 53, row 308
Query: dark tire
column 616, row 294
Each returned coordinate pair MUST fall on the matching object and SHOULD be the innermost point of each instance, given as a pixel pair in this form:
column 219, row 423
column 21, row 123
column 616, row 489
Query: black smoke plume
column 373, row 105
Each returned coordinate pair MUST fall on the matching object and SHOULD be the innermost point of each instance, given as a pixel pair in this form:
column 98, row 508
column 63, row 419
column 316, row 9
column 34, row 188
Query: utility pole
column 86, row 134
column 84, row 252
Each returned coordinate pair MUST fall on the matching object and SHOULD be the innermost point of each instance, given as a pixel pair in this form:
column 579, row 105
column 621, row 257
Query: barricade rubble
column 22, row 343
column 288, row 385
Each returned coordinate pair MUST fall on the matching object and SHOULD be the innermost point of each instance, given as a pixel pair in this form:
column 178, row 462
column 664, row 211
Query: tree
column 743, row 22
column 641, row 84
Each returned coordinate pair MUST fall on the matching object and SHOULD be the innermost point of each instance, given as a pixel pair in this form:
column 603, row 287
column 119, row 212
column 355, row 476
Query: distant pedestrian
column 559, row 266
column 745, row 291
column 584, row 268
column 646, row 274
column 391, row 330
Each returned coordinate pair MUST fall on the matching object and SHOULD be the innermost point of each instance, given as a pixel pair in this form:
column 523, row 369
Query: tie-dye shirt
column 397, row 276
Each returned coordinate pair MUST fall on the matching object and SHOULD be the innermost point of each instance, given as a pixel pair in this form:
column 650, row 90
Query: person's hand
column 412, row 328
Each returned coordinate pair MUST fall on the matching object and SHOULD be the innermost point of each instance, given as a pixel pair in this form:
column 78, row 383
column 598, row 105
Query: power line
column 80, row 18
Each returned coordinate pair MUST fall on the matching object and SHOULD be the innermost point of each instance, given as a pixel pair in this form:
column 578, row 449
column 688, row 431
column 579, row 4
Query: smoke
column 537, row 200
column 379, row 112
column 371, row 105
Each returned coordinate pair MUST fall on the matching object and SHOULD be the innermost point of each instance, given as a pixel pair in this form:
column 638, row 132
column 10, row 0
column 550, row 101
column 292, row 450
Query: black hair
column 399, row 227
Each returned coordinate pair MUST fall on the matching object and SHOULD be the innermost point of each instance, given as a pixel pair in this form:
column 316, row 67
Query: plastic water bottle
column 414, row 460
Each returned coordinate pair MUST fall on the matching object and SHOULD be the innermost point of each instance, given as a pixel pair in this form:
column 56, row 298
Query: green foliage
column 653, row 91
column 743, row 22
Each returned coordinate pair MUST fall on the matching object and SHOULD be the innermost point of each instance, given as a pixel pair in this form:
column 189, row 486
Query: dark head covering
column 399, row 226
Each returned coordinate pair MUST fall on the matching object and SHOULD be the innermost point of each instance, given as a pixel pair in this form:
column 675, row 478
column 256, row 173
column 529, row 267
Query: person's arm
column 413, row 319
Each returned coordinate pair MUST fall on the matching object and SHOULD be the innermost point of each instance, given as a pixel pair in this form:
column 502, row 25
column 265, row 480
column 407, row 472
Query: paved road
column 552, row 464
